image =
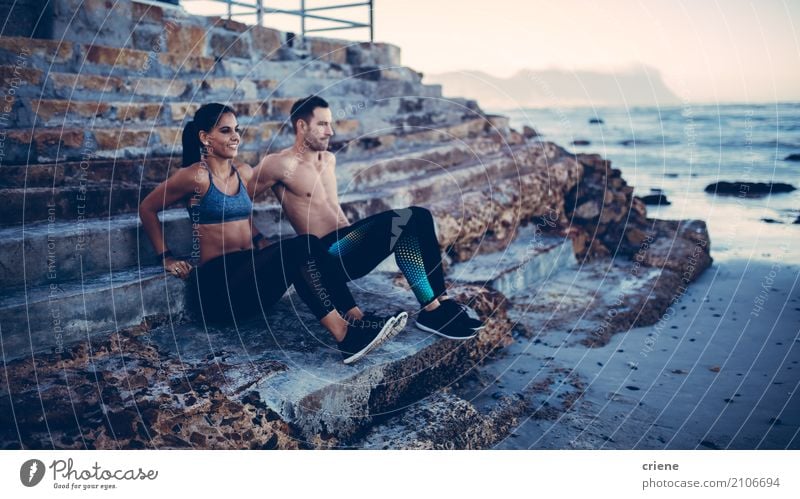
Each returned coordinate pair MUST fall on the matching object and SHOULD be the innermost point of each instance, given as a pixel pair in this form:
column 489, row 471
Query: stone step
column 413, row 162
column 483, row 173
column 534, row 256
column 156, row 28
column 67, row 173
column 443, row 421
column 399, row 162
column 587, row 304
column 111, row 114
column 87, row 58
column 47, row 84
column 50, row 145
column 63, row 56
column 77, row 203
column 66, row 249
column 390, row 140
column 44, row 318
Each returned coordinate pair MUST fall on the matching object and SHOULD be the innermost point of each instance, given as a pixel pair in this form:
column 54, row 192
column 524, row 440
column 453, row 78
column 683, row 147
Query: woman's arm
column 269, row 171
column 177, row 187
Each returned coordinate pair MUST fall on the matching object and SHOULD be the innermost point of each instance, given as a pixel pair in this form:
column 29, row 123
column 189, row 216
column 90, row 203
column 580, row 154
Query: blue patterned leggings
column 409, row 233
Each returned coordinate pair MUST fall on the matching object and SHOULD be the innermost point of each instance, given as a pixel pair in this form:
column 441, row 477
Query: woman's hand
column 178, row 268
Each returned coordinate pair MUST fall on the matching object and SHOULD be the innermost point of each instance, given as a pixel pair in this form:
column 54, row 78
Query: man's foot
column 461, row 313
column 363, row 336
column 443, row 322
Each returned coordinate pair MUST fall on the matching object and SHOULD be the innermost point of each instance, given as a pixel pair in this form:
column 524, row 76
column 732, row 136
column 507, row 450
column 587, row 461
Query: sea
column 680, row 150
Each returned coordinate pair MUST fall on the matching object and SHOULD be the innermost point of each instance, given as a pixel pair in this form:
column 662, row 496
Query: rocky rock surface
column 748, row 189
column 656, row 199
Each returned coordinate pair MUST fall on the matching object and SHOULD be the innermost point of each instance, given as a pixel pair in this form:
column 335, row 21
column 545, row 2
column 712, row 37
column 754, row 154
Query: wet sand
column 720, row 370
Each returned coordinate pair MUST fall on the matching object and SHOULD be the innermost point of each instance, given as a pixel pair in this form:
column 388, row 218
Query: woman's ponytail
column 191, row 144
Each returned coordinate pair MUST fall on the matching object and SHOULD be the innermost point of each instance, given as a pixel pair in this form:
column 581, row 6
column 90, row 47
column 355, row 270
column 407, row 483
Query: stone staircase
column 95, row 125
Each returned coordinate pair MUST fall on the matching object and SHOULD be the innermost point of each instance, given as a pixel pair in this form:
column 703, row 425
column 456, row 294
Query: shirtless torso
column 305, row 185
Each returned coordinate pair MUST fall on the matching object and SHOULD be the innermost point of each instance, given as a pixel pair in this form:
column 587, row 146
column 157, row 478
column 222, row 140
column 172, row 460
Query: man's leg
column 408, row 233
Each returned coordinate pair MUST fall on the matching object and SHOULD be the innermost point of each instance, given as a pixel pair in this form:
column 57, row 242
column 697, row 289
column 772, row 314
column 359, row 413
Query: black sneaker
column 363, row 336
column 440, row 321
column 461, row 313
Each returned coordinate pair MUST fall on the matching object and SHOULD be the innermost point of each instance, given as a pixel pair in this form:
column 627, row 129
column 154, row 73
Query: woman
column 239, row 273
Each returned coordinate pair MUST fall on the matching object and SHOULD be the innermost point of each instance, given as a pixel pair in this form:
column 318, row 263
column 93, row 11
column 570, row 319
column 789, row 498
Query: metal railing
column 257, row 8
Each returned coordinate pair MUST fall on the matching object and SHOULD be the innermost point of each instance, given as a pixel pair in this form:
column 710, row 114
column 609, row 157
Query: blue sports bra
column 217, row 207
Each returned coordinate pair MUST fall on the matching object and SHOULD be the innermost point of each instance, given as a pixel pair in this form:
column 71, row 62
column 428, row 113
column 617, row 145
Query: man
column 303, row 178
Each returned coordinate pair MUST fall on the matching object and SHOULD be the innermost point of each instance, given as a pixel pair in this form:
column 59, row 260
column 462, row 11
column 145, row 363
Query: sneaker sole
column 400, row 323
column 439, row 333
column 379, row 339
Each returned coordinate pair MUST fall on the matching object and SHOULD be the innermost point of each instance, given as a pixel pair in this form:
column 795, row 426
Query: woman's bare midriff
column 219, row 239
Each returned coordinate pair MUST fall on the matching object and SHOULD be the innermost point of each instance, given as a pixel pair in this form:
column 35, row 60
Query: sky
column 708, row 51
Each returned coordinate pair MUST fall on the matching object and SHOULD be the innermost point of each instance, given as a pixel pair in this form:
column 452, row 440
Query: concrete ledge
column 47, row 318
column 531, row 257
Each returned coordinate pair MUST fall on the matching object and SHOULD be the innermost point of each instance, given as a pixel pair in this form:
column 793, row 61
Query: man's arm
column 269, row 171
column 329, row 184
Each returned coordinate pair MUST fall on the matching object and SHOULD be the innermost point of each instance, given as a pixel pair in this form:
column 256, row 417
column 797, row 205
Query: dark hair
column 205, row 118
column 303, row 109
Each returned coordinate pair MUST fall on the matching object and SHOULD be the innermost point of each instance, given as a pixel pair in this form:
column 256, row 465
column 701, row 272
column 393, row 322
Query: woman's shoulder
column 194, row 172
column 189, row 179
column 244, row 170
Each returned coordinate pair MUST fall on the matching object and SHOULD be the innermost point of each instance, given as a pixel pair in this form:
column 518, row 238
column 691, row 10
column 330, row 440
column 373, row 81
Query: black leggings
column 409, row 233
column 238, row 284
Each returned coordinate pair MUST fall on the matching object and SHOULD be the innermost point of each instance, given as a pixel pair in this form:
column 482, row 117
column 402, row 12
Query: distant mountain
column 640, row 86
